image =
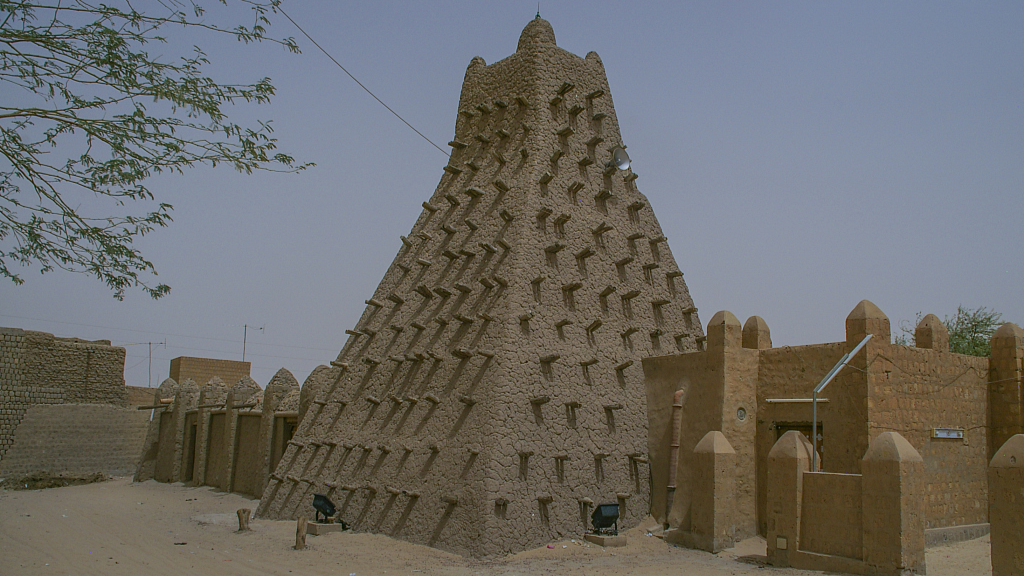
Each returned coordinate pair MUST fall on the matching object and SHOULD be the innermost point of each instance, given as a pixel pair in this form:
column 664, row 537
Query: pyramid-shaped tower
column 492, row 391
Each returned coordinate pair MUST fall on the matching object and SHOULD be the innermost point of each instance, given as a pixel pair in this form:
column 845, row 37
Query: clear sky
column 800, row 156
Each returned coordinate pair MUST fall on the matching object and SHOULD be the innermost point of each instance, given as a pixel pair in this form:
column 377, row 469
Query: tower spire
column 494, row 384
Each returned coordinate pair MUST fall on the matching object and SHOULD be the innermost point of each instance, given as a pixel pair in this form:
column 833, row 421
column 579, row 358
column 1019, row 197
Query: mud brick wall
column 492, row 392
column 140, row 395
column 701, row 400
column 76, row 439
column 215, row 454
column 201, row 370
column 885, row 388
column 248, row 456
column 830, row 515
column 716, row 391
column 915, row 390
column 38, row 368
column 789, row 372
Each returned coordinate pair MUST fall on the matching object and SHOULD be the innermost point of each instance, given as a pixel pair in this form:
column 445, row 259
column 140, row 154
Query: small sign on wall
column 955, row 433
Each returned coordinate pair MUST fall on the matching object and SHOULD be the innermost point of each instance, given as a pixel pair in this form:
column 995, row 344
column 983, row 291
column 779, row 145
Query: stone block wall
column 1006, row 387
column 76, row 440
column 913, row 392
column 38, row 368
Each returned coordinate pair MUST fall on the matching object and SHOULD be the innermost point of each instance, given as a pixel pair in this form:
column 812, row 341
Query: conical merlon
column 492, row 391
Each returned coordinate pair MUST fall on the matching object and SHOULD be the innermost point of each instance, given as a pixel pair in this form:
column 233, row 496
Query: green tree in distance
column 88, row 114
column 970, row 330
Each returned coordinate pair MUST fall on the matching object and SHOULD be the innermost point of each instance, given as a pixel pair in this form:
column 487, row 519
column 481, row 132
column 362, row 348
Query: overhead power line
column 163, row 333
column 413, row 128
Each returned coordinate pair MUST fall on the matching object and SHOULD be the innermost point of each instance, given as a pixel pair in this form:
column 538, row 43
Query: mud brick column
column 787, row 462
column 1006, row 386
column 1006, row 507
column 852, row 389
column 713, row 526
column 151, row 447
column 893, row 506
column 931, row 333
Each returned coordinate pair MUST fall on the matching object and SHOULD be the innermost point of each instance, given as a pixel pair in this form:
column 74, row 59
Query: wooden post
column 300, row 533
column 243, row 519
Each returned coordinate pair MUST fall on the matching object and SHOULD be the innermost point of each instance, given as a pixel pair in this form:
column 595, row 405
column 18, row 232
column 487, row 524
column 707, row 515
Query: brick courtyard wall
column 76, row 440
column 38, row 368
column 139, row 395
column 925, row 393
column 861, row 524
column 716, row 390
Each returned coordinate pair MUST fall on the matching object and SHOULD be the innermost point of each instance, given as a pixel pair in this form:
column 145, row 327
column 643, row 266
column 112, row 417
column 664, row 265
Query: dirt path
column 120, row 528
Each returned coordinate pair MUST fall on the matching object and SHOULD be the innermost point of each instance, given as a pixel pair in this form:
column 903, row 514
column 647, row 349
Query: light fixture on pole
column 821, row 386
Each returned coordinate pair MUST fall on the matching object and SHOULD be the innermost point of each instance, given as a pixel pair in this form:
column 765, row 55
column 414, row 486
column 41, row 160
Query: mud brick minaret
column 491, row 393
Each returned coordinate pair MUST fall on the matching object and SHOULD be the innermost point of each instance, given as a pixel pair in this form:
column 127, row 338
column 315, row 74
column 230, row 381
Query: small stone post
column 1006, row 507
column 243, row 519
column 300, row 533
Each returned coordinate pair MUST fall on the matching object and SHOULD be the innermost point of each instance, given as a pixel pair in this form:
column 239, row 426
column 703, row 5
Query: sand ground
column 121, row 528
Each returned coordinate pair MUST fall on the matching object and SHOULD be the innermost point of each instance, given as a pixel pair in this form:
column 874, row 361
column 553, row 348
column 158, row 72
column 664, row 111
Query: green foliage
column 970, row 330
column 88, row 114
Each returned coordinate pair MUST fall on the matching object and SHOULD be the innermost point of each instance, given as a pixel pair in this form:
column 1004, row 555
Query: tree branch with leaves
column 89, row 115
